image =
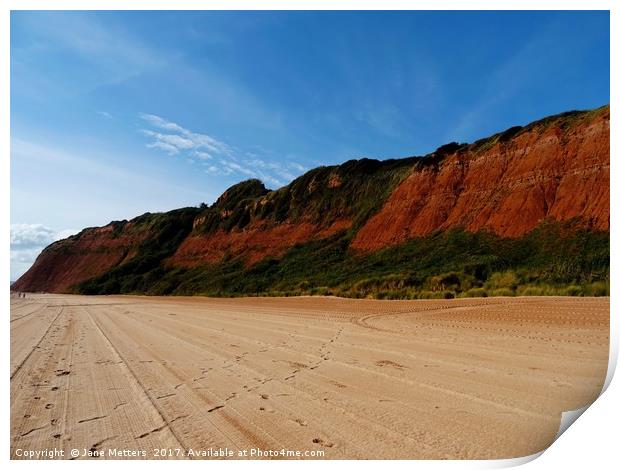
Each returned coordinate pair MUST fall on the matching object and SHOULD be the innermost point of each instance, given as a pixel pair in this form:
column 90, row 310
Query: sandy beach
column 330, row 378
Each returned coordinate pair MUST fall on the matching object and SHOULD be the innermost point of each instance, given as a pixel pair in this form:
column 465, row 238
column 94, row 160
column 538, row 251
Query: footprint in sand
column 318, row 440
column 387, row 363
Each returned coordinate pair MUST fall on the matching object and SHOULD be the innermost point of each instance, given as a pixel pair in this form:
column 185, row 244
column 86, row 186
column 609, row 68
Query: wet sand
column 440, row 379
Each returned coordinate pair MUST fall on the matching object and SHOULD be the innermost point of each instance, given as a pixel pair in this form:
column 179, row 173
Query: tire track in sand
column 36, row 346
column 167, row 422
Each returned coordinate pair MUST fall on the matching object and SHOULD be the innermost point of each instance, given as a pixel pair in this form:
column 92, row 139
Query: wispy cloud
column 161, row 123
column 297, row 166
column 202, row 155
column 98, row 51
column 519, row 71
column 385, row 118
column 171, row 149
column 107, row 191
column 218, row 157
column 181, row 138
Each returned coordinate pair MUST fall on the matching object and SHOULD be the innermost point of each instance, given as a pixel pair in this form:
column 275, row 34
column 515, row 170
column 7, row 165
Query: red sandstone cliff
column 253, row 243
column 557, row 171
column 79, row 257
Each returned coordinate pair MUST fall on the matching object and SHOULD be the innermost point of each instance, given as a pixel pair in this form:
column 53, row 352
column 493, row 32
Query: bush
column 476, row 292
column 507, row 279
column 597, row 289
column 531, row 291
column 444, row 281
column 319, row 291
column 304, row 285
column 426, row 294
column 573, row 291
column 503, row 292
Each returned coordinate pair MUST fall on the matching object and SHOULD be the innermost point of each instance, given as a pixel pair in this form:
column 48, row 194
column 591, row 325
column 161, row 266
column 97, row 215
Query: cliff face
column 250, row 223
column 553, row 170
column 252, row 244
column 83, row 256
column 135, row 246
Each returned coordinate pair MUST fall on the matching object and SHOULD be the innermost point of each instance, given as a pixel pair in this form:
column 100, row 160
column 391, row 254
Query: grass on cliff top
column 564, row 121
column 353, row 190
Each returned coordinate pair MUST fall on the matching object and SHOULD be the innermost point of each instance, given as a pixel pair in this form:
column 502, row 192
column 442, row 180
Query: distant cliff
column 530, row 204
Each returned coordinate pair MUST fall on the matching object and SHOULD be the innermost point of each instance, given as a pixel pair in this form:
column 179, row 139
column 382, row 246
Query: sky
column 114, row 114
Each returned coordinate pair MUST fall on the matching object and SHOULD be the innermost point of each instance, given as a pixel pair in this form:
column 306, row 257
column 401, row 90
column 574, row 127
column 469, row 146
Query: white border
column 592, row 441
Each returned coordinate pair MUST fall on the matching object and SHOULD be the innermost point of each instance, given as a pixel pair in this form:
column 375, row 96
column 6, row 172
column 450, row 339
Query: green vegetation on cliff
column 554, row 259
column 323, row 195
column 166, row 232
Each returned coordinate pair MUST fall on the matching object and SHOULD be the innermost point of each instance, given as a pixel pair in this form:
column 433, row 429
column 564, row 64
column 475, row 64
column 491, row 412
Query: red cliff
column 79, row 257
column 555, row 170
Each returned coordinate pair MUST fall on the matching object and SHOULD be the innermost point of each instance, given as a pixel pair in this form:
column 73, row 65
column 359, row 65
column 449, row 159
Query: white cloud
column 105, row 114
column 156, row 121
column 180, row 143
column 297, row 166
column 171, row 149
column 202, row 155
column 239, row 168
column 279, row 169
column 180, row 140
column 270, row 179
column 29, row 235
column 27, row 241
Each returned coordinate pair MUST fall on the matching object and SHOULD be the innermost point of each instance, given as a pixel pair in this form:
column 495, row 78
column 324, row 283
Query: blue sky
column 118, row 113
